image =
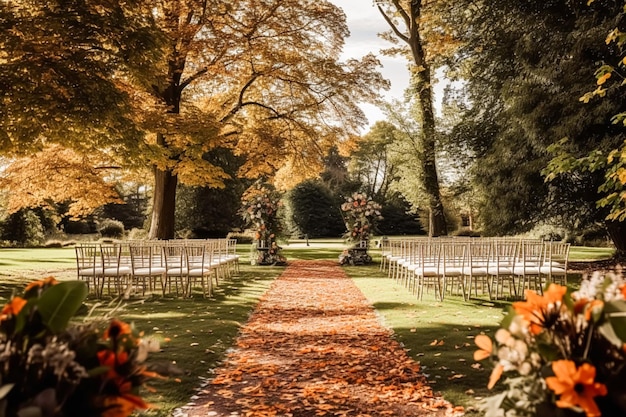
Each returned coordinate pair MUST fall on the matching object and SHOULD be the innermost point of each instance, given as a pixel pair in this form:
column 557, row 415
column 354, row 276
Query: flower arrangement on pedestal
column 260, row 204
column 50, row 367
column 360, row 214
column 564, row 354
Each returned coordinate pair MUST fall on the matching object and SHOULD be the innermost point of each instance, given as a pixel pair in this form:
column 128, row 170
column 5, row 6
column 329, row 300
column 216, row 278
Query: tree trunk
column 163, row 225
column 163, row 205
column 617, row 233
column 427, row 140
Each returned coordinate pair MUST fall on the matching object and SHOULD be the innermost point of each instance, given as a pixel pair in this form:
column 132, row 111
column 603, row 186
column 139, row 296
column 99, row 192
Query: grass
column 196, row 333
column 588, row 254
column 437, row 334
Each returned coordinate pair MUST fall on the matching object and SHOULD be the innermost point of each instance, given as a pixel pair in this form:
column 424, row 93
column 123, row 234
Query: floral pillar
column 360, row 214
column 260, row 204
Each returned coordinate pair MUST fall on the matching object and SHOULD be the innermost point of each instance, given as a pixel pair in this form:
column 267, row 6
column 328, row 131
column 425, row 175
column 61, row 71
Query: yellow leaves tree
column 58, row 175
column 260, row 78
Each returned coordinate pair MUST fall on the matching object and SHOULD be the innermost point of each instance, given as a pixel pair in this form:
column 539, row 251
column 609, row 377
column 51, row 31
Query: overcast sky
column 365, row 22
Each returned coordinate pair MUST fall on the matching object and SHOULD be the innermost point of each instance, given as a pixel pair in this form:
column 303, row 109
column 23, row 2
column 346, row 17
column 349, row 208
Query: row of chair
column 466, row 265
column 173, row 266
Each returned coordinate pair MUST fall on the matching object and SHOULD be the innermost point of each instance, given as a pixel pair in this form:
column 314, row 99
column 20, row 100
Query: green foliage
column 23, row 228
column 397, row 218
column 111, row 228
column 529, row 64
column 132, row 213
column 374, row 163
column 212, row 212
column 314, row 211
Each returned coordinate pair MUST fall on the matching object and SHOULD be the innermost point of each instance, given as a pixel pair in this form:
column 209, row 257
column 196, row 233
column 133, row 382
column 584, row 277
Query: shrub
column 53, row 244
column 466, row 233
column 24, row 229
column 111, row 228
column 313, row 211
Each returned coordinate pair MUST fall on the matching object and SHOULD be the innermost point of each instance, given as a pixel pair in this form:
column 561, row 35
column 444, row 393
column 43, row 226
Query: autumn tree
column 58, row 175
column 260, row 78
column 408, row 20
column 66, row 68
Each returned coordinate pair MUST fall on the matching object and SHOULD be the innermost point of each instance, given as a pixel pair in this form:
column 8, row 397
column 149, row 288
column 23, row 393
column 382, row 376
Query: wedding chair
column 454, row 267
column 147, row 266
column 200, row 266
column 89, row 266
column 232, row 256
column 114, row 268
column 428, row 272
column 174, row 256
column 501, row 266
column 527, row 268
column 555, row 265
column 394, row 258
column 480, row 255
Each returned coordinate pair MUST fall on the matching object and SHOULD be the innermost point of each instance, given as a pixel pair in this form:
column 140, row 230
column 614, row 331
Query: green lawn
column 195, row 333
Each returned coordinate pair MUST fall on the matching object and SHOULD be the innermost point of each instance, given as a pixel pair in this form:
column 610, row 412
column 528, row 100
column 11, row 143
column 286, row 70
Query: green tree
column 314, row 210
column 372, row 163
column 527, row 64
column 23, row 228
column 408, row 20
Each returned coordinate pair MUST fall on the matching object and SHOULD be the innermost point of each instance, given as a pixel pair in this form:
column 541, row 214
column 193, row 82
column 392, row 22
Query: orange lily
column 122, row 405
column 495, row 376
column 534, row 308
column 576, row 386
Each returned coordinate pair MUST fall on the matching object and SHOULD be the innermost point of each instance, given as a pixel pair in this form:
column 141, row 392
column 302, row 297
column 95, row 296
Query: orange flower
column 533, row 310
column 12, row 308
column 576, row 386
column 111, row 360
column 41, row 283
column 116, row 329
column 593, row 305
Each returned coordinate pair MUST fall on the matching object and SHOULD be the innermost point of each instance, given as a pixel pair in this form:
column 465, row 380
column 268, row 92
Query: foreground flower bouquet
column 50, row 367
column 563, row 354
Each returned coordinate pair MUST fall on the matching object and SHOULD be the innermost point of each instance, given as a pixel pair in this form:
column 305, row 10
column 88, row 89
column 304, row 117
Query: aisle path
column 314, row 347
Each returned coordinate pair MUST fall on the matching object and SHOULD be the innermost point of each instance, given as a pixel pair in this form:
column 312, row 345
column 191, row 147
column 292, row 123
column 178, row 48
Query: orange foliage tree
column 261, row 78
column 58, row 174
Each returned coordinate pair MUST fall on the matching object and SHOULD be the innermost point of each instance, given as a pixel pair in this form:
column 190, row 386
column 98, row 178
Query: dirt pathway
column 314, row 347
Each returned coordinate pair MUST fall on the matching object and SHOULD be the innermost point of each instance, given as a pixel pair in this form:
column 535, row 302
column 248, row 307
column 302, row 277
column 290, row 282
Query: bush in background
column 23, row 228
column 111, row 228
column 313, row 211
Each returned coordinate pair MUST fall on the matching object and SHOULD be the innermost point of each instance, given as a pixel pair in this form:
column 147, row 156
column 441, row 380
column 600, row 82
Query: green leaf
column 58, row 304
